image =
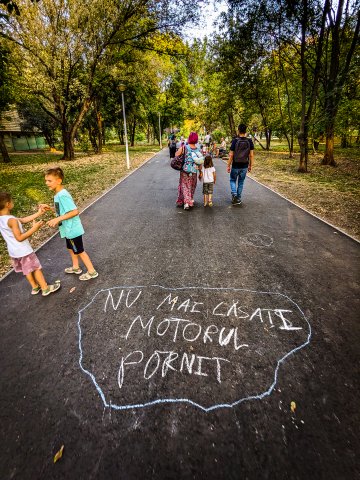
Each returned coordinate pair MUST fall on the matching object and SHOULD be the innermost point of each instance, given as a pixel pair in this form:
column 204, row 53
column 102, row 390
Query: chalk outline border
column 187, row 400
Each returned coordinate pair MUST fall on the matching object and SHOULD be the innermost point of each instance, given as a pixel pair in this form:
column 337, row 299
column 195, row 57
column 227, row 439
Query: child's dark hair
column 208, row 161
column 5, row 197
column 56, row 172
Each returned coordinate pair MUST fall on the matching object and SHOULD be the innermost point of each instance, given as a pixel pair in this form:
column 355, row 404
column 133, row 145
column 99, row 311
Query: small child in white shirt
column 209, row 179
column 23, row 258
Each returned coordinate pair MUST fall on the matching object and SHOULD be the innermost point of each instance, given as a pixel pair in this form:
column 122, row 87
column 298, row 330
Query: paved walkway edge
column 307, row 211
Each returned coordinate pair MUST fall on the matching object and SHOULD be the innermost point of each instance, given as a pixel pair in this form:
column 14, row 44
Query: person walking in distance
column 241, row 160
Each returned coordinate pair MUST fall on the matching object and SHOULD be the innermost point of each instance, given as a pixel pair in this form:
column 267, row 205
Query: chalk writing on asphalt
column 257, row 240
column 208, row 347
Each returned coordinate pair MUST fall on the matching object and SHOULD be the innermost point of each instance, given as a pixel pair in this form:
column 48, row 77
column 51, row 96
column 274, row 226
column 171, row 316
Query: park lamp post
column 122, row 88
column 160, row 142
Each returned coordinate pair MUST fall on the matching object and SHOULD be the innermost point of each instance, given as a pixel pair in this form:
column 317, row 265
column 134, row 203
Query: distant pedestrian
column 172, row 146
column 209, row 179
column 22, row 255
column 241, row 159
column 207, row 141
column 70, row 226
column 188, row 174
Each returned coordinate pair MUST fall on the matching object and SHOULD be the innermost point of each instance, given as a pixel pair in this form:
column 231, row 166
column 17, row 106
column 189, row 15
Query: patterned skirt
column 186, row 189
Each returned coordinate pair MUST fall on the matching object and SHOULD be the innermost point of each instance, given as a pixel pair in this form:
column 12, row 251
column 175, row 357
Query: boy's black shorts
column 75, row 244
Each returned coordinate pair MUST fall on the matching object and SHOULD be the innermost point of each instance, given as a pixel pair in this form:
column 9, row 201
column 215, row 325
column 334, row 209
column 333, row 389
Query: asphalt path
column 216, row 343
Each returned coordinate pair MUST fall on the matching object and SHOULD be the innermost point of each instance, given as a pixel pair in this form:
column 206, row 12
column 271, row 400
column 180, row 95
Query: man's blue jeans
column 237, row 174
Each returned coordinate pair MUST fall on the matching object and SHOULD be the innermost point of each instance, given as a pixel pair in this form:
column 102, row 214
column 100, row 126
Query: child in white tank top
column 20, row 251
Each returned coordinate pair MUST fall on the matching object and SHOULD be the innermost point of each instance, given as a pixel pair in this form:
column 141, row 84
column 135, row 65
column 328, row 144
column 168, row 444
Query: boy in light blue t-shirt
column 70, row 226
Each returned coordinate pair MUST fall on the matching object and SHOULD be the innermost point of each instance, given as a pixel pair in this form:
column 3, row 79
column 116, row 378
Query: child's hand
column 38, row 225
column 43, row 207
column 53, row 222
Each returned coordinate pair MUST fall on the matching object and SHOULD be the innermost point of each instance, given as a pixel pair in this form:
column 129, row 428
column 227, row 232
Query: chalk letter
column 258, row 314
column 132, row 303
column 189, row 365
column 167, row 362
column 210, row 329
column 236, row 346
column 185, row 305
column 169, row 301
column 196, row 337
column 227, row 339
column 166, row 320
column 112, row 300
column 124, row 362
column 219, row 314
column 287, row 325
column 196, row 311
column 148, row 325
column 218, row 369
column 155, row 354
column 199, row 372
column 233, row 307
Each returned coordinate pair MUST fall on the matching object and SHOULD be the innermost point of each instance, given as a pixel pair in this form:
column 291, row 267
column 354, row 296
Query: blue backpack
column 192, row 158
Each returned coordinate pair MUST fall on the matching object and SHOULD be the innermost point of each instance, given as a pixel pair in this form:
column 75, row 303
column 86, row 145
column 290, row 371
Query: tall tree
column 342, row 39
column 7, row 94
column 69, row 47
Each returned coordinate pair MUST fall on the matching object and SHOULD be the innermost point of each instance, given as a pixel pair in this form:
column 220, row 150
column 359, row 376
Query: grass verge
column 332, row 193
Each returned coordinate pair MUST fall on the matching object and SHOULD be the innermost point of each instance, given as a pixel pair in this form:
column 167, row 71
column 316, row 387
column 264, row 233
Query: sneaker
column 233, row 199
column 186, row 206
column 88, row 275
column 210, row 204
column 35, row 290
column 77, row 271
column 51, row 289
column 238, row 201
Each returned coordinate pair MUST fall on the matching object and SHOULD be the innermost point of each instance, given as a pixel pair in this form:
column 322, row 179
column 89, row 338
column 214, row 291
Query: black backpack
column 242, row 150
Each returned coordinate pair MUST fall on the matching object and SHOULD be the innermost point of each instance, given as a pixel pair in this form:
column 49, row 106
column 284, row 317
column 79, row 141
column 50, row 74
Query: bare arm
column 20, row 237
column 251, row 160
column 229, row 162
column 53, row 222
column 180, row 151
column 32, row 217
column 214, row 178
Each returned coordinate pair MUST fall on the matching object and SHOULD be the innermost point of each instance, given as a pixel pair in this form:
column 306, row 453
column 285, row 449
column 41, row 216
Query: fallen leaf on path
column 58, row 455
column 72, row 289
column 293, row 406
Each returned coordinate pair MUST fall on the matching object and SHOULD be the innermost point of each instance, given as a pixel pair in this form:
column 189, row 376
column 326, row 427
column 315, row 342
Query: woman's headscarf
column 193, row 138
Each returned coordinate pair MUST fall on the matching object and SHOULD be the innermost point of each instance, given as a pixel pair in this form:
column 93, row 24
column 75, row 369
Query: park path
column 90, row 370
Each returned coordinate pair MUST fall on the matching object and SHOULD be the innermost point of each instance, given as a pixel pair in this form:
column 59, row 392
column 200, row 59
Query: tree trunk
column 261, row 145
column 132, row 133
column 268, row 138
column 49, row 140
column 303, row 139
column 232, row 124
column 92, row 138
column 68, row 140
column 329, row 151
column 99, row 132
column 3, row 149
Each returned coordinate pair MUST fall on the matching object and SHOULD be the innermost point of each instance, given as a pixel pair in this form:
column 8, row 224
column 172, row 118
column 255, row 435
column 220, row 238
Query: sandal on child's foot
column 35, row 290
column 210, row 204
column 88, row 275
column 51, row 289
column 77, row 271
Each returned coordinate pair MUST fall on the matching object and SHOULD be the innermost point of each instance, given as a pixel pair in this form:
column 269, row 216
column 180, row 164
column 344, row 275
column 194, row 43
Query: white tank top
column 16, row 249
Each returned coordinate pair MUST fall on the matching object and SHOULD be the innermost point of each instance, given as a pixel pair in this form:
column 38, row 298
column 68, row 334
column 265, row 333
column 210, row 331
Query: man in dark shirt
column 241, row 159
